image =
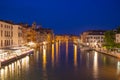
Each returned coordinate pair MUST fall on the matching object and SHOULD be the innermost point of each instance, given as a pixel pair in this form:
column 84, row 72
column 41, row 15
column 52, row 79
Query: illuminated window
column 5, row 26
column 1, row 25
column 5, row 42
column 1, row 33
column 1, row 43
column 11, row 42
column 5, row 33
column 11, row 34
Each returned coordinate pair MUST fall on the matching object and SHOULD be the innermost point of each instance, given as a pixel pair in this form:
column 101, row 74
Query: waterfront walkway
column 8, row 56
column 112, row 53
column 101, row 50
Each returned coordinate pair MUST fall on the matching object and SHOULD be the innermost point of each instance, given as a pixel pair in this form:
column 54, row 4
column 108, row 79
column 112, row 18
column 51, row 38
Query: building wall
column 117, row 38
column 83, row 37
column 6, row 34
column 24, row 35
column 31, row 35
column 44, row 34
column 95, row 40
column 17, row 35
column 10, row 34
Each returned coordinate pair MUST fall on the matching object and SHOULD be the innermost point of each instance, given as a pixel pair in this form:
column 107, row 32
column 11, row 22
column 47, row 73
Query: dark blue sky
column 64, row 16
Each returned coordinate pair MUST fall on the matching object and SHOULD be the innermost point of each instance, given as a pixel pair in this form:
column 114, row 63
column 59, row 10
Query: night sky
column 63, row 16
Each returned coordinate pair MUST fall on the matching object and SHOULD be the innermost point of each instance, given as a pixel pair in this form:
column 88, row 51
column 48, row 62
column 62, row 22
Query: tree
column 117, row 45
column 109, row 40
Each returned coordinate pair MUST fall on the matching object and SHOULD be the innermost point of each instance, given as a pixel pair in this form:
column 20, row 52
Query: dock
column 13, row 58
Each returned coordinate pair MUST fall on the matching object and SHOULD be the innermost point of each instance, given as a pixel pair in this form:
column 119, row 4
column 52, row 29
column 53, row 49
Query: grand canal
column 62, row 61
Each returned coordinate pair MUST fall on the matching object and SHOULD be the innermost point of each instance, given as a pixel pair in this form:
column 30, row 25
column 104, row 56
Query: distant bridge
column 66, row 38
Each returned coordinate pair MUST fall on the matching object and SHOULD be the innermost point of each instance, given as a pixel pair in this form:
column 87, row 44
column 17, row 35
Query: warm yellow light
column 44, row 58
column 31, row 43
column 95, row 65
column 56, row 52
column 75, row 55
column 2, row 71
column 118, row 67
column 66, row 50
column 45, row 42
column 52, row 54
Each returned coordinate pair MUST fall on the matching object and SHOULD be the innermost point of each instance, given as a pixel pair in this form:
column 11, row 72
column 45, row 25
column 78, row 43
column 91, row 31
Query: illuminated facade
column 117, row 36
column 62, row 37
column 44, row 34
column 24, row 35
column 10, row 34
column 21, row 34
column 17, row 35
column 83, row 37
column 29, row 33
column 74, row 38
column 6, row 34
column 93, row 38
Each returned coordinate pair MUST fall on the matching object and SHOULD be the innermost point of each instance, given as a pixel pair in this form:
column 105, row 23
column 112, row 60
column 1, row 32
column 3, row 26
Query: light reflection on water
column 57, row 52
column 95, row 65
column 87, row 60
column 44, row 57
column 75, row 55
column 118, row 69
column 13, row 70
column 66, row 51
column 53, row 55
column 43, row 65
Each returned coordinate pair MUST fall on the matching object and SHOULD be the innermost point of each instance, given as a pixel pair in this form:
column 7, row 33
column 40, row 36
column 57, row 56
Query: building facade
column 10, row 34
column 117, row 38
column 21, row 34
column 6, row 34
column 93, row 38
column 44, row 34
column 17, row 35
column 83, row 37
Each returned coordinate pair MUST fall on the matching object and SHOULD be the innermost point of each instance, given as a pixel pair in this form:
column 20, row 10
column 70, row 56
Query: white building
column 117, row 36
column 17, row 35
column 93, row 38
column 10, row 34
column 6, row 34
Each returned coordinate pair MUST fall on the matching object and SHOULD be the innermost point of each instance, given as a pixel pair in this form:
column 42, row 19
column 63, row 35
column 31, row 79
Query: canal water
column 62, row 61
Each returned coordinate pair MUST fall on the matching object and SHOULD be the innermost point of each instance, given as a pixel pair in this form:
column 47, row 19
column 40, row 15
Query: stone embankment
column 16, row 57
column 113, row 53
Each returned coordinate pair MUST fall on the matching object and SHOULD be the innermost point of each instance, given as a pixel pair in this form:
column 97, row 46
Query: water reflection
column 44, row 62
column 66, row 50
column 59, row 47
column 95, row 65
column 13, row 71
column 75, row 55
column 104, row 59
column 37, row 55
column 57, row 52
column 88, row 60
column 52, row 55
column 44, row 57
column 118, row 69
column 89, row 66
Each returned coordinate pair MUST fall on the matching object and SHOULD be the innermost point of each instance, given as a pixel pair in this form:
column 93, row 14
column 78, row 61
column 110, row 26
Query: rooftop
column 7, row 21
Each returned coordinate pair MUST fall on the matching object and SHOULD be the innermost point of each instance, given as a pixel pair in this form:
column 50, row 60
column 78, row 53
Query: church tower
column 34, row 25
